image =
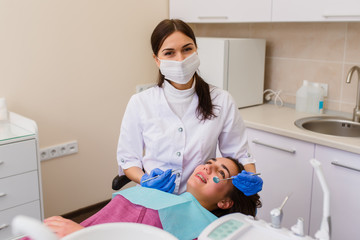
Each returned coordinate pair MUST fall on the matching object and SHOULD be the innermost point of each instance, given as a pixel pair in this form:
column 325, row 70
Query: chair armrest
column 120, row 181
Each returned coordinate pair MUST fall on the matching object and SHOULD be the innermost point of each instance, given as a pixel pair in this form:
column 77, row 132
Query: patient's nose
column 208, row 168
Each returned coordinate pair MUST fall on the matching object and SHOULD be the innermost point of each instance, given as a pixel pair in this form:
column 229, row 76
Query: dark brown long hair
column 243, row 204
column 205, row 108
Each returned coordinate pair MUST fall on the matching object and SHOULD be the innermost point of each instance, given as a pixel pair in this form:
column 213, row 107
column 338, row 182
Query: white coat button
column 180, row 129
column 178, row 154
column 178, row 175
column 122, row 160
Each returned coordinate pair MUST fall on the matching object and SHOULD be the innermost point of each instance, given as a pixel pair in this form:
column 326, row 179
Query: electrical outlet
column 53, row 152
column 44, row 155
column 72, row 147
column 62, row 150
column 58, row 150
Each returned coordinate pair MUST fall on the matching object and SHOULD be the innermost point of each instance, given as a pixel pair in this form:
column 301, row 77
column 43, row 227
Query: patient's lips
column 202, row 177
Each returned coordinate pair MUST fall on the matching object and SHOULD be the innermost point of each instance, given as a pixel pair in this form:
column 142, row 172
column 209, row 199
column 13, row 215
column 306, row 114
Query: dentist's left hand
column 248, row 183
column 165, row 182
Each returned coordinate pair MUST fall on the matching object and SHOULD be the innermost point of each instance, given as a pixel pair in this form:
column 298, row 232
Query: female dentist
column 176, row 125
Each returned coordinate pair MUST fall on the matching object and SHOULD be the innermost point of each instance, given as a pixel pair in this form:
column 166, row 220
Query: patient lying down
column 185, row 215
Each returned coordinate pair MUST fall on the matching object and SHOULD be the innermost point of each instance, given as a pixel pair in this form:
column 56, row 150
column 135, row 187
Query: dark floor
column 83, row 213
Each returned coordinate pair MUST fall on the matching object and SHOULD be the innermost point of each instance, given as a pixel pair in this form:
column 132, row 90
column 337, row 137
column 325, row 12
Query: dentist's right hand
column 165, row 182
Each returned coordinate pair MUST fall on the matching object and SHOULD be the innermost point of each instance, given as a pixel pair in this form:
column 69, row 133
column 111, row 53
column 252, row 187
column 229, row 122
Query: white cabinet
column 20, row 181
column 209, row 11
column 342, row 174
column 212, row 11
column 315, row 11
column 285, row 169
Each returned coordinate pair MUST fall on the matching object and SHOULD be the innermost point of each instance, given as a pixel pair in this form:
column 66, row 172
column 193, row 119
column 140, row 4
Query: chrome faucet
column 356, row 114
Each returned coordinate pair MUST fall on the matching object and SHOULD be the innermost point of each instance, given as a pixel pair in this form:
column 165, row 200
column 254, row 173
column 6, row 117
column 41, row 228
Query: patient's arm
column 62, row 226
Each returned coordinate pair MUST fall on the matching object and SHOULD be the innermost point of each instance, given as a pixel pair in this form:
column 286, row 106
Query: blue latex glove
column 248, row 183
column 165, row 182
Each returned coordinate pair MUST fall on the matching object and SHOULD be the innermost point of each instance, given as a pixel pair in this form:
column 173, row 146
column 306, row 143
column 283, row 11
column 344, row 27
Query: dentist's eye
column 168, row 53
column 188, row 49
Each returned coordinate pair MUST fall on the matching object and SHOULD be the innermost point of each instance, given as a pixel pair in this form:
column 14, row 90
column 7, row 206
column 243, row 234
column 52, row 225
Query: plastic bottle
column 321, row 101
column 315, row 98
column 301, row 97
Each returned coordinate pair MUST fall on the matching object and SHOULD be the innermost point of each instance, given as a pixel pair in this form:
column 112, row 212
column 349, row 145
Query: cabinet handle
column 2, row 194
column 341, row 15
column 345, row 166
column 293, row 151
column 3, row 226
column 212, row 17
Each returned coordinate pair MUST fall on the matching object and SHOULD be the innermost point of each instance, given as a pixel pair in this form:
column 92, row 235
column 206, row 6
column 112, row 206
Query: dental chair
column 120, row 181
column 36, row 230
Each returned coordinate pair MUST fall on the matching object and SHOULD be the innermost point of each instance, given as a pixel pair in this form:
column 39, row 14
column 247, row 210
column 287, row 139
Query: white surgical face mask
column 180, row 71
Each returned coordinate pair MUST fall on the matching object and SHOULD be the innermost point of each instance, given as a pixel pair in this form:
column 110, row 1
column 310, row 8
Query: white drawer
column 18, row 157
column 19, row 189
column 30, row 209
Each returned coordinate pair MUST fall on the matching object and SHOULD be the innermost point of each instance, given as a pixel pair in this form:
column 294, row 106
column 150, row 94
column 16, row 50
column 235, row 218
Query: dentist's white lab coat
column 153, row 136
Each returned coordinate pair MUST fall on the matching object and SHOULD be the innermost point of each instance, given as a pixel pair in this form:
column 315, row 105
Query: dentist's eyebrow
column 167, row 49
column 186, row 45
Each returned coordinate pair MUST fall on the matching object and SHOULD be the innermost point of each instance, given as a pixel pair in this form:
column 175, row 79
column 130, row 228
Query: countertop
column 280, row 120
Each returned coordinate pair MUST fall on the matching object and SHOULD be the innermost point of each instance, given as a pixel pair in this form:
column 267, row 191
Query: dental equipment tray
column 239, row 226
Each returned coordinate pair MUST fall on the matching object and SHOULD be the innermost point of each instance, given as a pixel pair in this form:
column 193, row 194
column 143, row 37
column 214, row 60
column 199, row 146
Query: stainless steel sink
column 330, row 125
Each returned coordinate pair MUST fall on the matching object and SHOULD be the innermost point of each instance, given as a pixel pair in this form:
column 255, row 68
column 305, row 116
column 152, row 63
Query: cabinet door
column 17, row 157
column 342, row 174
column 200, row 11
column 320, row 10
column 285, row 169
column 19, row 189
column 31, row 209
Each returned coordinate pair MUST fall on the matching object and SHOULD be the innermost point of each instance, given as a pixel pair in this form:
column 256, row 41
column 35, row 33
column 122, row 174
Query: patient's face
column 202, row 186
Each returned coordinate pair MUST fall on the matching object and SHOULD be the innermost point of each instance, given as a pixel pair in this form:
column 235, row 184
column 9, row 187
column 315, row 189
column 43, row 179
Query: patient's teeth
column 201, row 177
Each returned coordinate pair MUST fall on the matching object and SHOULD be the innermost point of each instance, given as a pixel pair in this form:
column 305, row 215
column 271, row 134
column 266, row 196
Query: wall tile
column 332, row 105
column 288, row 75
column 353, row 43
column 345, row 107
column 320, row 41
column 236, row 30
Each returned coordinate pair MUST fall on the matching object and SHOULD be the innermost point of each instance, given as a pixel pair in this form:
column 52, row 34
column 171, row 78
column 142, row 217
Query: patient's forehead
column 230, row 164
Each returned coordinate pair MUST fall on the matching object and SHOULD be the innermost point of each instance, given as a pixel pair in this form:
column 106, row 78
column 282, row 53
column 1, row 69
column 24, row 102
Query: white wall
column 72, row 65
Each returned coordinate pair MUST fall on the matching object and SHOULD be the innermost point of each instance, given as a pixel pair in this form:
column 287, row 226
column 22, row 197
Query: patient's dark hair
column 244, row 204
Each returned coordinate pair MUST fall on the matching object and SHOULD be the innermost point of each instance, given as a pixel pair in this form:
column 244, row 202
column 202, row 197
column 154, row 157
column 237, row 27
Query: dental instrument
column 217, row 180
column 277, row 214
column 155, row 177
